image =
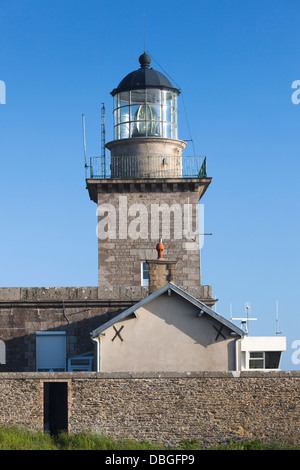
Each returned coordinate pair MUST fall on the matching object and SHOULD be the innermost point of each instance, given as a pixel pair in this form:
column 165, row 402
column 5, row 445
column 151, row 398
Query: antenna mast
column 245, row 320
column 144, row 33
column 277, row 330
column 103, row 141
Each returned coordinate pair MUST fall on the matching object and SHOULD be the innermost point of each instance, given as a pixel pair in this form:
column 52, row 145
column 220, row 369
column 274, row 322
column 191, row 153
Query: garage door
column 51, row 351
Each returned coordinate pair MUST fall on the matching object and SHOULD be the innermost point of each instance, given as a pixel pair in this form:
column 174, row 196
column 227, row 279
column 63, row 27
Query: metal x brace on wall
column 219, row 332
column 118, row 333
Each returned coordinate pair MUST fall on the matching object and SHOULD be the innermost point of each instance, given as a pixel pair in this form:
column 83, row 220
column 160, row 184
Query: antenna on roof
column 144, row 33
column 277, row 331
column 245, row 321
column 103, row 163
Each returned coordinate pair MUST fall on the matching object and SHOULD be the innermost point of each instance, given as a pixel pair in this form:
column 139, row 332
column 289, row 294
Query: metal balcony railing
column 148, row 167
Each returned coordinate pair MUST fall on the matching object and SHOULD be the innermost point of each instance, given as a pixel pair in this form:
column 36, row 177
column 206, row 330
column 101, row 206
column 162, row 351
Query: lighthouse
column 150, row 191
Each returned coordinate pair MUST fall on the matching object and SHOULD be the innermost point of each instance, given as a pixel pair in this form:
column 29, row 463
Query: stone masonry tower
column 148, row 191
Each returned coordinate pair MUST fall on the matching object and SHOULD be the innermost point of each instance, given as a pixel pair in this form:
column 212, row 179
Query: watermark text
column 296, row 94
column 2, row 92
column 151, row 222
column 296, row 353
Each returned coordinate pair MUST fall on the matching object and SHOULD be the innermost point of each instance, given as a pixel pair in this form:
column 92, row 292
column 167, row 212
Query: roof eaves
column 208, row 310
column 121, row 316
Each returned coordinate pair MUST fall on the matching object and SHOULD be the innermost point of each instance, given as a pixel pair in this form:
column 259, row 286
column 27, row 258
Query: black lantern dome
column 144, row 77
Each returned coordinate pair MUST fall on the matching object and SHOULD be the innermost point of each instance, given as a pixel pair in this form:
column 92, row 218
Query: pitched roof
column 168, row 287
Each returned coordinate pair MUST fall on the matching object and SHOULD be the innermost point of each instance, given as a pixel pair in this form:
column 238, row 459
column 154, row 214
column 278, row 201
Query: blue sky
column 234, row 61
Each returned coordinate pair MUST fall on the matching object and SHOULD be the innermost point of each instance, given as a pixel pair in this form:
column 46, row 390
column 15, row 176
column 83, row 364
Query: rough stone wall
column 21, row 401
column 161, row 272
column 209, row 407
column 24, row 311
column 120, row 256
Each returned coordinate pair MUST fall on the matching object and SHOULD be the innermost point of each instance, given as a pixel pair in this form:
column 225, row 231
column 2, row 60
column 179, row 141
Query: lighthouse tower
column 148, row 192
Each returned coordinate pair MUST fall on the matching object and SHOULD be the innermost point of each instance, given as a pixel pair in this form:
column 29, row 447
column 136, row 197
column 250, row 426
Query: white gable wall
column 168, row 335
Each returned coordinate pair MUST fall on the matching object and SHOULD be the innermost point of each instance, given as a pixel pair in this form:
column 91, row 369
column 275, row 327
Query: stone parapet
column 32, row 295
column 261, row 374
column 47, row 293
column 98, row 186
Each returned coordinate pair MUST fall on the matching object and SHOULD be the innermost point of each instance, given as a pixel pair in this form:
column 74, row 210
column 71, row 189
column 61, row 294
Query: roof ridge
column 203, row 307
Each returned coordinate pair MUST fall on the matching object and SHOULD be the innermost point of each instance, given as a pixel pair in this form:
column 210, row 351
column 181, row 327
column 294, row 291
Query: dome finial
column 145, row 60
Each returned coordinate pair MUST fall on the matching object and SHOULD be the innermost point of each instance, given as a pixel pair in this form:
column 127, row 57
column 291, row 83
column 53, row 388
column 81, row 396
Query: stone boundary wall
column 211, row 407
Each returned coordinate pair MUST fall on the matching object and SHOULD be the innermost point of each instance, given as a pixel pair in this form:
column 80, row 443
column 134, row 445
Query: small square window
column 256, row 360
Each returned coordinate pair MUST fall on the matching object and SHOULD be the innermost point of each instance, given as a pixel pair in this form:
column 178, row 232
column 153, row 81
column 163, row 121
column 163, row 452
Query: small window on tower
column 145, row 273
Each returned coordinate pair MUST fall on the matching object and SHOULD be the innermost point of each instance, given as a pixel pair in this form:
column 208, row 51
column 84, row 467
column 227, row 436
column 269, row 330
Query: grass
column 13, row 438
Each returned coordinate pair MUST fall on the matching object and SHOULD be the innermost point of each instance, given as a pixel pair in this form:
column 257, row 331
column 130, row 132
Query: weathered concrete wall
column 167, row 335
column 209, row 407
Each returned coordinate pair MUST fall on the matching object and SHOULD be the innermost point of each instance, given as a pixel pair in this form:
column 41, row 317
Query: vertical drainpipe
column 237, row 343
column 97, row 341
